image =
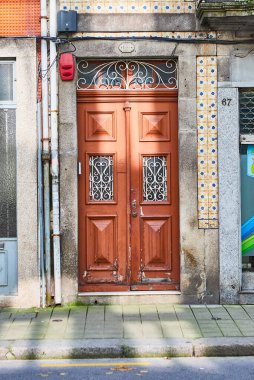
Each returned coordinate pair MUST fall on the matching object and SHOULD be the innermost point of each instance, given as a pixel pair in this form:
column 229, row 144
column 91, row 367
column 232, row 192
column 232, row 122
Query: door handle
column 79, row 168
column 134, row 214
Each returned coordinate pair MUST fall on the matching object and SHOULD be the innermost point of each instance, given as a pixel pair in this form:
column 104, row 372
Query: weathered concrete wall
column 68, row 189
column 229, row 195
column 199, row 275
column 199, row 248
column 235, row 65
column 24, row 51
column 131, row 22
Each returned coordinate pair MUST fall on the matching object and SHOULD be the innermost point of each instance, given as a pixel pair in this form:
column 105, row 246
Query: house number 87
column 226, row 101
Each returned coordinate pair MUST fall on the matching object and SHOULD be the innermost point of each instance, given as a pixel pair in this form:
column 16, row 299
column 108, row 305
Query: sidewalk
column 126, row 331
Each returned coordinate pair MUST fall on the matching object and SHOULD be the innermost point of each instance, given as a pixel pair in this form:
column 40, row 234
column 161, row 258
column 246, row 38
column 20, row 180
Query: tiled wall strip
column 129, row 6
column 207, row 142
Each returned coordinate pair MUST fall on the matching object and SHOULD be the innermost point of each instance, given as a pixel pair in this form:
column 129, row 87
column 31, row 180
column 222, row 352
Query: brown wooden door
column 128, row 192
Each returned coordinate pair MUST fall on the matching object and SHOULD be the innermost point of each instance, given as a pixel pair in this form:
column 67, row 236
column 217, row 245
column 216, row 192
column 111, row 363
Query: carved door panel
column 102, row 196
column 154, row 195
column 128, row 192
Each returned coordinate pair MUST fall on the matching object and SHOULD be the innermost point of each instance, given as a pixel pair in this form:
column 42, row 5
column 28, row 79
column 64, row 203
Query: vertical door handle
column 134, row 213
column 79, row 168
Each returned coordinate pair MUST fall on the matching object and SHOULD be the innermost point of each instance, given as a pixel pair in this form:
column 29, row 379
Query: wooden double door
column 128, row 191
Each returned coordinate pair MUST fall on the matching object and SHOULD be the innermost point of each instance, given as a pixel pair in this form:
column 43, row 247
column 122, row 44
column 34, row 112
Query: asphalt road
column 236, row 368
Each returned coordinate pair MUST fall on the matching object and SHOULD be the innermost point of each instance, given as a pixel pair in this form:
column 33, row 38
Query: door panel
column 102, row 196
column 101, row 242
column 156, row 248
column 154, row 126
column 128, row 193
column 101, row 126
column 154, row 191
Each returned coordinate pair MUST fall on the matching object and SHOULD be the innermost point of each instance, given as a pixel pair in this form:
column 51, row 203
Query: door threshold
column 131, row 293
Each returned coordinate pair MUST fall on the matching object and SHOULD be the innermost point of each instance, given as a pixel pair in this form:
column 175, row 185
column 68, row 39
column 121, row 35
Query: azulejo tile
column 213, row 223
column 156, row 7
column 207, row 142
column 129, row 6
column 203, row 223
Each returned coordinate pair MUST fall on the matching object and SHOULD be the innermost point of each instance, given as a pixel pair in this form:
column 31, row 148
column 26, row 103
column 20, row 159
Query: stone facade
column 214, row 62
column 210, row 266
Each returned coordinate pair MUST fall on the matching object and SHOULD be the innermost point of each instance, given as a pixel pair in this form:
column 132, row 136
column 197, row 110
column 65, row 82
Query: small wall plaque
column 126, row 47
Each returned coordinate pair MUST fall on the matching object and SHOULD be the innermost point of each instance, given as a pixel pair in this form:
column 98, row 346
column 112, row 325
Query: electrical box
column 67, row 66
column 67, row 21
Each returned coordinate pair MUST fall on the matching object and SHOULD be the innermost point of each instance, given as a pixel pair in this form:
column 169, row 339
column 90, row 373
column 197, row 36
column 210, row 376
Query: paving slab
column 249, row 310
column 237, row 312
column 171, row 330
column 166, row 313
column 152, row 329
column 219, row 312
column 131, row 311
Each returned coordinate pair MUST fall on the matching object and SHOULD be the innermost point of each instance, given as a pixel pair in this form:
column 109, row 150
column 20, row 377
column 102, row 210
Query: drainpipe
column 54, row 154
column 40, row 209
column 45, row 150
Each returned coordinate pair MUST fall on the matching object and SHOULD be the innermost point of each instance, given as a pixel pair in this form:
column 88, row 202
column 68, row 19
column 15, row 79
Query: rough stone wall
column 199, row 248
column 207, row 273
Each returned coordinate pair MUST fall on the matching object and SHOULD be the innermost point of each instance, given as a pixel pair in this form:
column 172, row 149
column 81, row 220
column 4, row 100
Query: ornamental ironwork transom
column 127, row 75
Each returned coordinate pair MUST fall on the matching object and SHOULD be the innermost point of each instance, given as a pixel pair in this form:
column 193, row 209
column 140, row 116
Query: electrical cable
column 63, row 40
column 243, row 55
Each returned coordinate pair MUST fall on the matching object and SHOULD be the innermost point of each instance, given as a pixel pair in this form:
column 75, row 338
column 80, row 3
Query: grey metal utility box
column 67, row 21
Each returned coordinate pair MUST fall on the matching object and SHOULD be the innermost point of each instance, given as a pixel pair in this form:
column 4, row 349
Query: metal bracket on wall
column 247, row 139
column 45, row 156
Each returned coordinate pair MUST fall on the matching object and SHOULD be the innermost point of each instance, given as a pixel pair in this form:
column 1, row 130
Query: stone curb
column 119, row 348
column 224, row 347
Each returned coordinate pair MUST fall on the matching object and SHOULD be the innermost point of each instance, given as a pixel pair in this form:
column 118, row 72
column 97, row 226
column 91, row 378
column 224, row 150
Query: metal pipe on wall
column 55, row 154
column 45, row 150
column 40, row 209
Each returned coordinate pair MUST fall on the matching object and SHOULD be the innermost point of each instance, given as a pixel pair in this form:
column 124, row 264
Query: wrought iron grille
column 155, row 178
column 101, row 178
column 8, row 195
column 246, row 99
column 127, row 75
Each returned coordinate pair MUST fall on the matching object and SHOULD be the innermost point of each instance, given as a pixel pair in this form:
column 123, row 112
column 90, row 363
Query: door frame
column 126, row 96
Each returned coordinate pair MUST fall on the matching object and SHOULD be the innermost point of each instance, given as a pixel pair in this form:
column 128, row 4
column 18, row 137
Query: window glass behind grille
column 155, row 178
column 6, row 80
column 246, row 98
column 101, row 178
column 246, row 118
column 8, row 220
